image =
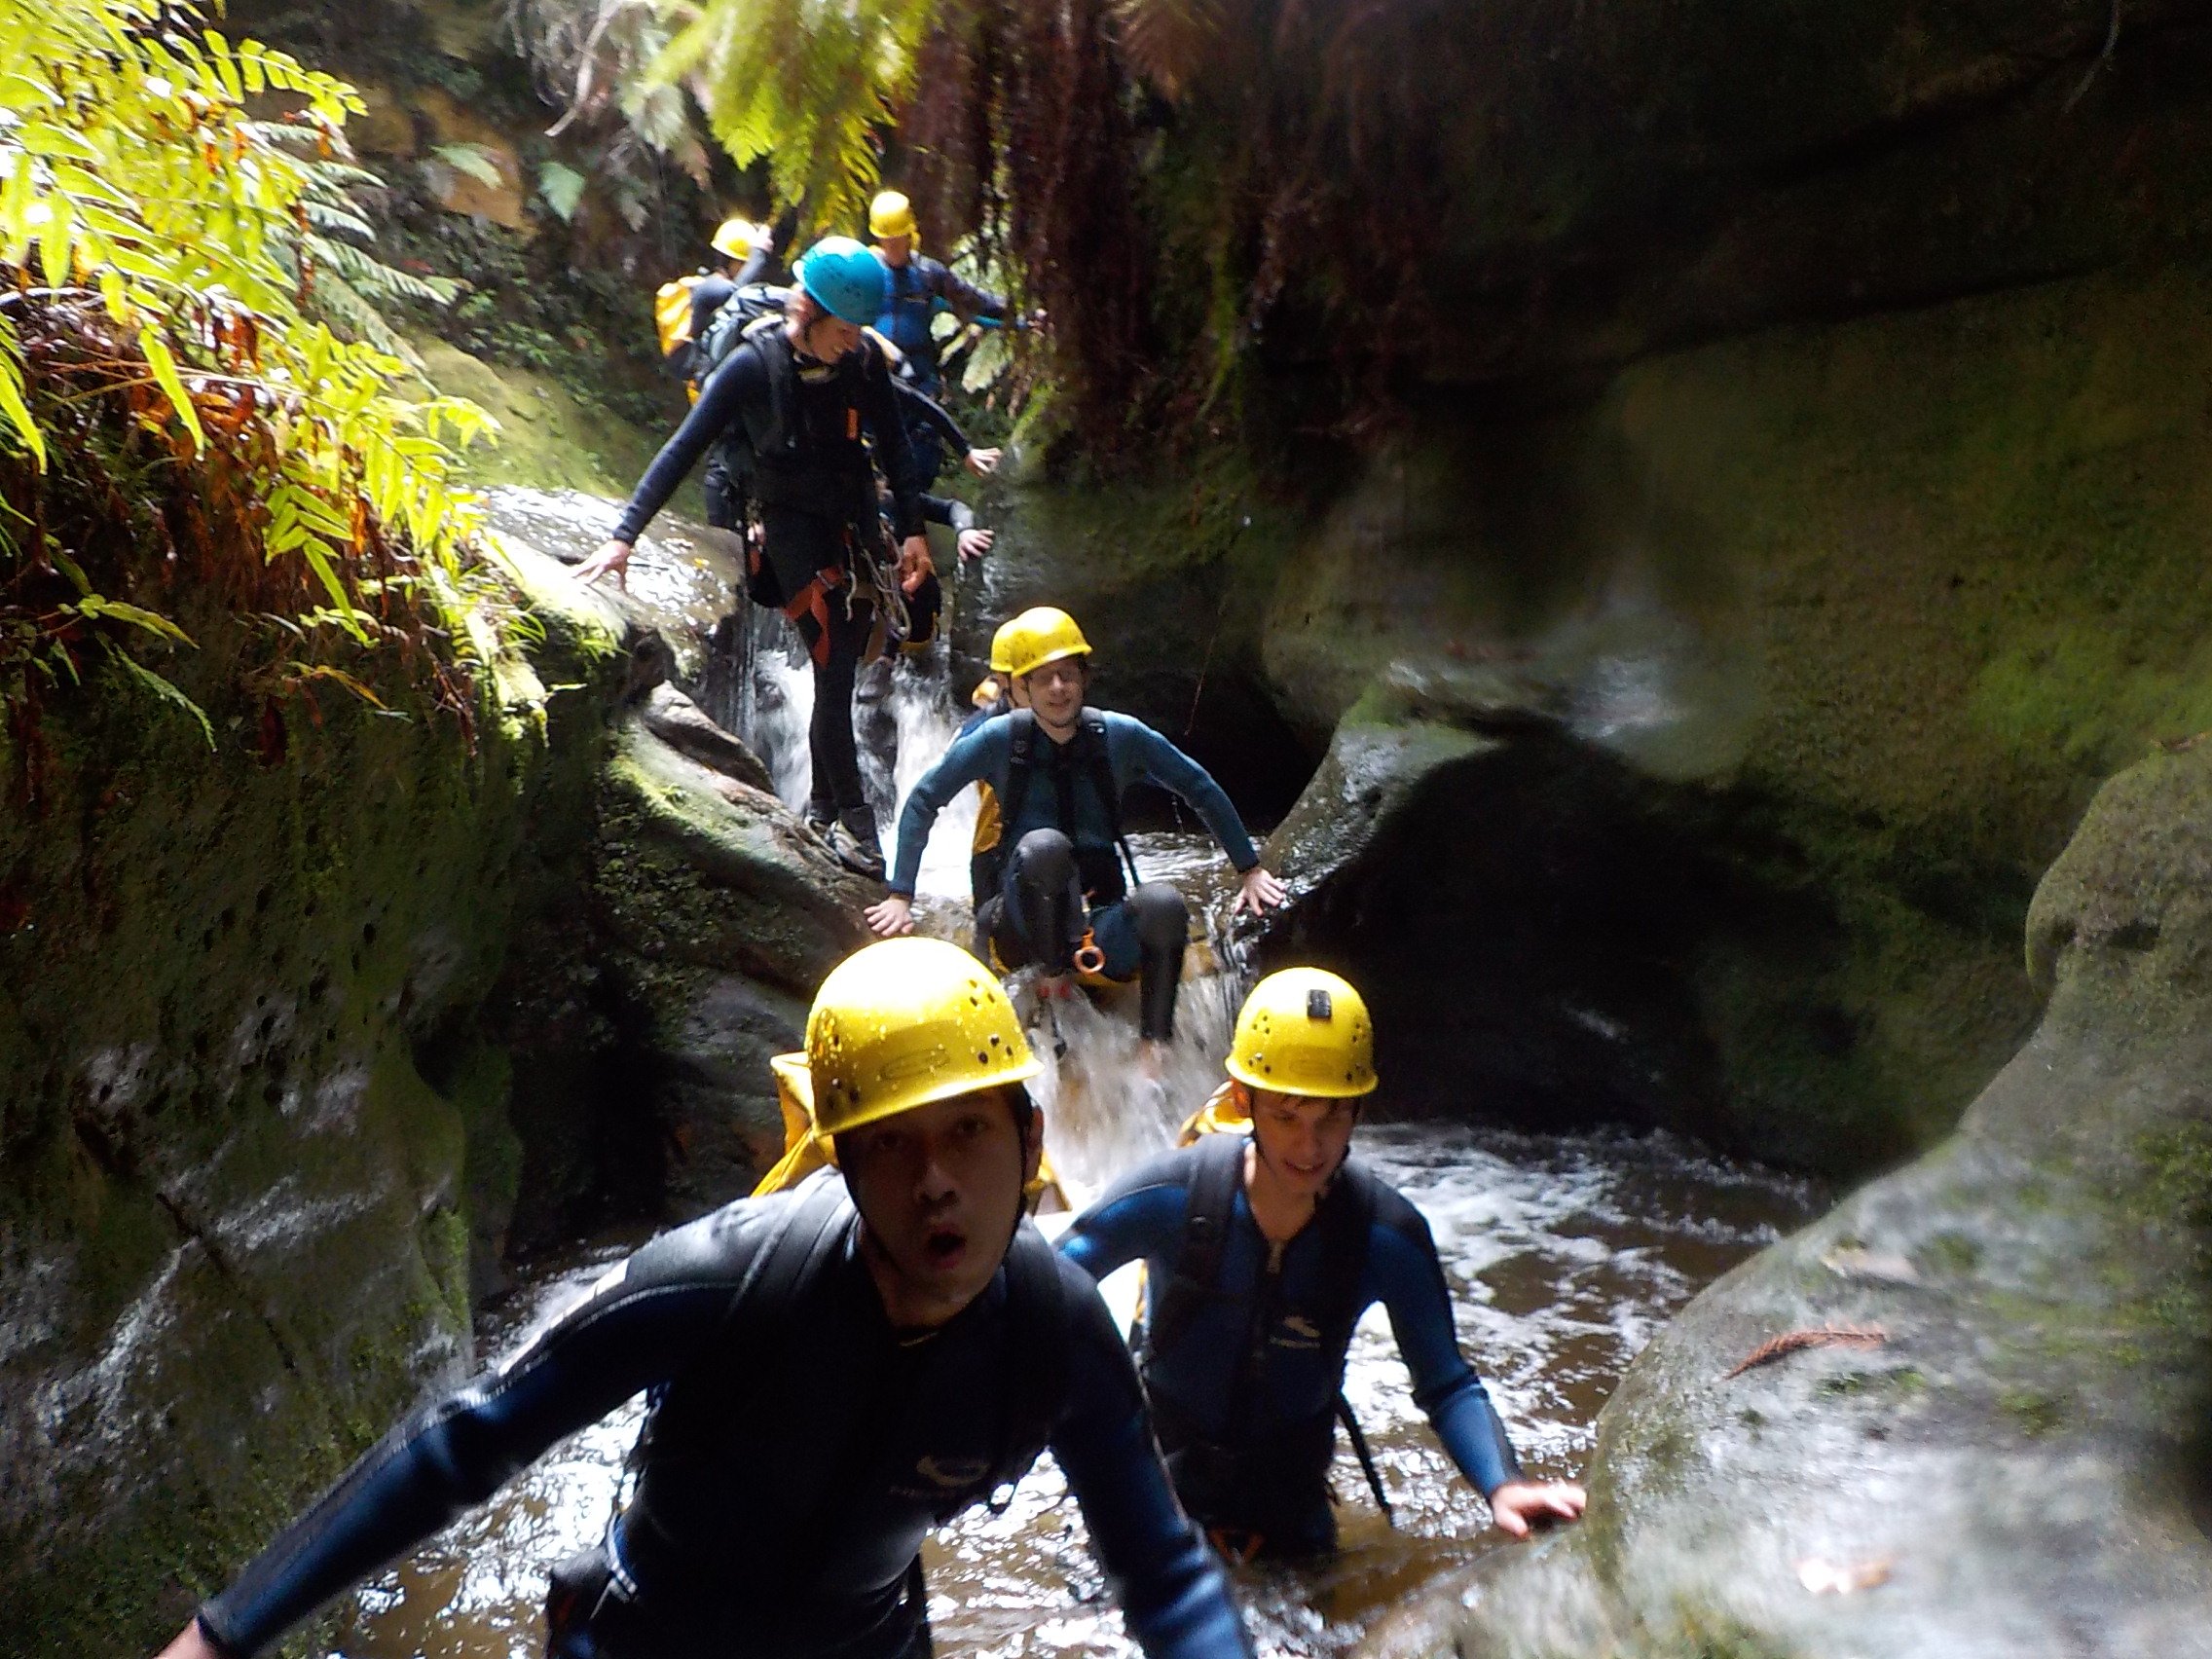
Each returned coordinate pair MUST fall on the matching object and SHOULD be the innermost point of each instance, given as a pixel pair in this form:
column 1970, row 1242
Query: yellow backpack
column 672, row 313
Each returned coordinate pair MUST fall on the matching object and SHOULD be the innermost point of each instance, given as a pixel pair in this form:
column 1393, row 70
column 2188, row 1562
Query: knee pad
column 1161, row 915
column 1045, row 855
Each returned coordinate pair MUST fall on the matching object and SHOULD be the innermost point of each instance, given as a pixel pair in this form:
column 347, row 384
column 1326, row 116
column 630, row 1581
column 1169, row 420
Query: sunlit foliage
column 172, row 206
column 806, row 85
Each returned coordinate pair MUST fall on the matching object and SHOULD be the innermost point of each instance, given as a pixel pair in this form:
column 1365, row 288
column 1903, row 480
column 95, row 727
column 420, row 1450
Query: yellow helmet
column 902, row 1024
column 1305, row 1031
column 734, row 239
column 890, row 215
column 1002, row 645
column 1037, row 637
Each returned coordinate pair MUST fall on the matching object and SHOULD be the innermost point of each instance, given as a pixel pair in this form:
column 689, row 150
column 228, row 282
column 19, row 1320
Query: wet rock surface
column 2012, row 1459
column 382, row 1006
column 717, row 913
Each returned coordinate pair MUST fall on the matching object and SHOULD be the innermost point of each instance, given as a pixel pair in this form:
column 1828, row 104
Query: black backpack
column 727, row 326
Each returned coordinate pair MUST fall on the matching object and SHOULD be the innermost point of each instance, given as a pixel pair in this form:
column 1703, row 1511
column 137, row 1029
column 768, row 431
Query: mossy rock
column 2023, row 1448
column 1834, row 630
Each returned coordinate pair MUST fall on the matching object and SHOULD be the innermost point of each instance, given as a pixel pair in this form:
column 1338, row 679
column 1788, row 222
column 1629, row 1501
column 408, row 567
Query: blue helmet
column 845, row 280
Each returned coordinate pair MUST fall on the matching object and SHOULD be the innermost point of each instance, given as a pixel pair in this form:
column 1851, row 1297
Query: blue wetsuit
column 785, row 1485
column 1134, row 752
column 1244, row 1397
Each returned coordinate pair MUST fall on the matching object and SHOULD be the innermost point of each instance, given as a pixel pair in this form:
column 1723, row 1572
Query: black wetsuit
column 1055, row 870
column 812, row 476
column 787, row 1474
column 931, row 433
column 1244, row 1393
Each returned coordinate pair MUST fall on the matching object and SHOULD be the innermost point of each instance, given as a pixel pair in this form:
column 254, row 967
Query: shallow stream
column 1565, row 1254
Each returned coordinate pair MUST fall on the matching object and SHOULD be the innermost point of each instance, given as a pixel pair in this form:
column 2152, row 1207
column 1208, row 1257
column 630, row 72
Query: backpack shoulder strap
column 1347, row 1220
column 1217, row 1176
column 1020, row 766
column 774, row 435
column 812, row 1227
column 1098, row 763
column 1036, row 1326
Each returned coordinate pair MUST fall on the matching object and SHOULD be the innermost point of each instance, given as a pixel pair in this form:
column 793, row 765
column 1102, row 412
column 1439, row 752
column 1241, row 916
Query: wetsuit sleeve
column 707, row 299
column 934, row 415
column 950, row 511
column 966, row 301
column 1157, row 760
column 741, row 377
column 1140, row 1215
column 455, row 1454
column 1173, row 1594
column 879, row 408
column 750, row 271
column 980, row 757
column 1405, row 1275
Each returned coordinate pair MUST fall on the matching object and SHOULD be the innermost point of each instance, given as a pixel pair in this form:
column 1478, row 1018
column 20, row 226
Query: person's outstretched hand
column 1259, row 891
column 892, row 916
column 974, row 543
column 914, row 561
column 612, row 556
column 1518, row 1507
column 982, row 462
column 191, row 1643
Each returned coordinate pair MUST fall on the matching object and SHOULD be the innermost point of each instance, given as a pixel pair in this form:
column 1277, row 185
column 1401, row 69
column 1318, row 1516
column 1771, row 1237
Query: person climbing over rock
column 1056, row 896
column 1264, row 1241
column 802, row 392
column 920, row 288
column 683, row 309
column 829, row 1373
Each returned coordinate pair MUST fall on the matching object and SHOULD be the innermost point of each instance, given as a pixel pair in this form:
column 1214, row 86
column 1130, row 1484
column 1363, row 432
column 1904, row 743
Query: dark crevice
column 191, row 1231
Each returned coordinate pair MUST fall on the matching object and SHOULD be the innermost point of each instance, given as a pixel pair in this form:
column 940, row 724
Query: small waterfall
column 1103, row 1110
column 782, row 703
column 903, row 720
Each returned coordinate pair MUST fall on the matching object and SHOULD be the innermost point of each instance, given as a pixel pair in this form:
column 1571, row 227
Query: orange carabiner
column 1088, row 958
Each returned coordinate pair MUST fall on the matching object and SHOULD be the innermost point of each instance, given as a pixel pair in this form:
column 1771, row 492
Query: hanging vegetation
column 180, row 414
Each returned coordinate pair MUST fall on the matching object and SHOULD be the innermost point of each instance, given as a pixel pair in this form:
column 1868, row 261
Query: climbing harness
column 1345, row 1218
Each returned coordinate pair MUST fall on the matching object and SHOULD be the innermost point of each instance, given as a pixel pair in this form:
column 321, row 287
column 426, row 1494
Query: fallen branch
column 1824, row 1336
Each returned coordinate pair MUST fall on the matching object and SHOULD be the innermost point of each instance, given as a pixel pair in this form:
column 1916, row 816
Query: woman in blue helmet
column 801, row 392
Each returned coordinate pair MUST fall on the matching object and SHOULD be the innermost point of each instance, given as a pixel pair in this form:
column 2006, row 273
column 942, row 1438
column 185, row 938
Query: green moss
column 1952, row 1253
column 2037, row 1414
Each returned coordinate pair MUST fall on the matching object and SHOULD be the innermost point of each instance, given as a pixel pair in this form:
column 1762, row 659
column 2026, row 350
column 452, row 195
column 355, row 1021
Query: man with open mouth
column 832, row 1372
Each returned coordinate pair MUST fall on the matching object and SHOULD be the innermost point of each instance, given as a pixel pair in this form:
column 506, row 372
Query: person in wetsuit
column 1057, row 895
column 920, row 288
column 746, row 249
column 803, row 391
column 829, row 1374
column 1262, row 1249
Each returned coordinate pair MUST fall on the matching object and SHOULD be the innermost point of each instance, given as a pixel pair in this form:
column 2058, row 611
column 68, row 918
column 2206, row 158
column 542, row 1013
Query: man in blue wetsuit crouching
column 1262, row 1248
column 1051, row 888
column 830, row 1372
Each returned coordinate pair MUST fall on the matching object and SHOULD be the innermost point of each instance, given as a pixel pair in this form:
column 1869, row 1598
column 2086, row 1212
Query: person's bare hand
column 982, row 462
column 914, row 561
column 892, row 916
column 191, row 1643
column 1259, row 892
column 1518, row 1507
column 974, row 543
column 612, row 556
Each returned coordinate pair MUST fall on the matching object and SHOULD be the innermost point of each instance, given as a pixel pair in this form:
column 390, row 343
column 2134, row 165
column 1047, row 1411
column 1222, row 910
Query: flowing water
column 1565, row 1253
